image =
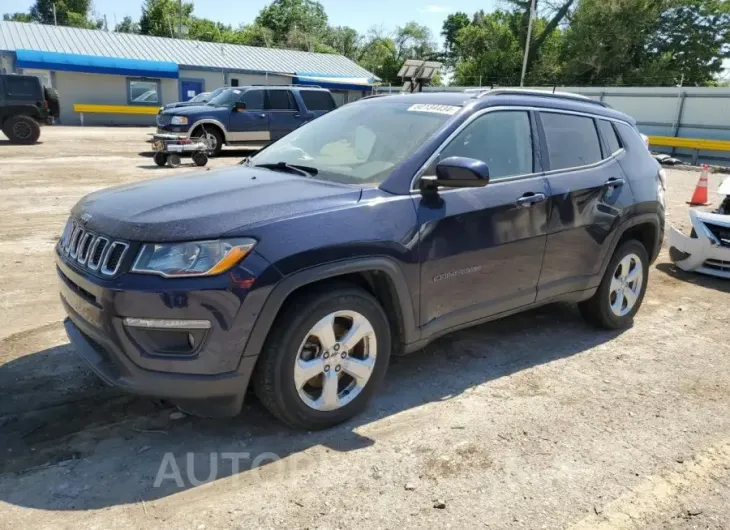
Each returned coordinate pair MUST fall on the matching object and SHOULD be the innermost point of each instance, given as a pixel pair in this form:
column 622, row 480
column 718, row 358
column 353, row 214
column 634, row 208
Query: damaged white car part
column 707, row 248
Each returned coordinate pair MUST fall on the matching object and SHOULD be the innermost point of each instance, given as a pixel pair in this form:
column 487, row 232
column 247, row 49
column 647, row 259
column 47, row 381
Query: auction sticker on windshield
column 438, row 109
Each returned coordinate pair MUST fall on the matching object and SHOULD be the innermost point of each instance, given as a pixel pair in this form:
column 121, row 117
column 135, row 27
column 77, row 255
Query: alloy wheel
column 335, row 360
column 626, row 284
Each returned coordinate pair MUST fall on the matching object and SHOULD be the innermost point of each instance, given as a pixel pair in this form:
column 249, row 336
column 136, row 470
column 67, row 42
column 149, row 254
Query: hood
column 208, row 204
column 196, row 108
column 184, row 104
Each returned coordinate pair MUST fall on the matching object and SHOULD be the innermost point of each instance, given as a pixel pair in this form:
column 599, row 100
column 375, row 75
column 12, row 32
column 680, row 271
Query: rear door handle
column 613, row 182
column 297, row 115
column 530, row 198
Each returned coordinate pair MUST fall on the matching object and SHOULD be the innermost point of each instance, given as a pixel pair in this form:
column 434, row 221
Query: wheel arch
column 647, row 228
column 380, row 276
column 212, row 123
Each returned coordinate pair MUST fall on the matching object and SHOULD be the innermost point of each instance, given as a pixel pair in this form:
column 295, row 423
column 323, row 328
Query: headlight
column 179, row 120
column 197, row 258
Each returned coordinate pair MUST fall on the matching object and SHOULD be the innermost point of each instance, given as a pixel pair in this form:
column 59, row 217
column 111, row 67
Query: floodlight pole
column 527, row 43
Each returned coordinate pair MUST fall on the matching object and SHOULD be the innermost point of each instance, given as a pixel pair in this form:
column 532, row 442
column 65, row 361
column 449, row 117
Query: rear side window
column 281, row 100
column 572, row 140
column 502, row 139
column 22, row 86
column 317, row 99
column 254, row 99
column 609, row 136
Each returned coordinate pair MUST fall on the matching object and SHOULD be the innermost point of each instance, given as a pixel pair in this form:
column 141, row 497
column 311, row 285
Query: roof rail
column 540, row 93
column 286, row 86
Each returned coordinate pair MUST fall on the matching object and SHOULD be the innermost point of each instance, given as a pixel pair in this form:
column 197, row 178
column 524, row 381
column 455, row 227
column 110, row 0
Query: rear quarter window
column 317, row 100
column 27, row 87
column 609, row 136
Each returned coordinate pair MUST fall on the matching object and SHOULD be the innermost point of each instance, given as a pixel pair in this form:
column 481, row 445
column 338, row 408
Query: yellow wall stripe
column 690, row 143
column 115, row 109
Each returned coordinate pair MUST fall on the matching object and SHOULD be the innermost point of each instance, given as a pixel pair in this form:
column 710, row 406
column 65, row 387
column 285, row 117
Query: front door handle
column 613, row 182
column 297, row 115
column 530, row 198
column 262, row 116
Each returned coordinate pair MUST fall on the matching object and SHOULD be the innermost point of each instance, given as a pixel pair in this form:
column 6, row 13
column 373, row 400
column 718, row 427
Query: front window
column 360, row 143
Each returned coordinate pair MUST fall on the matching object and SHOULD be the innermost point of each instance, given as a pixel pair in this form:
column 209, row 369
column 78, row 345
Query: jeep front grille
column 90, row 250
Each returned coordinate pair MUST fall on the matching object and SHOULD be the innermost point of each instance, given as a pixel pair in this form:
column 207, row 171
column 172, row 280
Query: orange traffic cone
column 699, row 198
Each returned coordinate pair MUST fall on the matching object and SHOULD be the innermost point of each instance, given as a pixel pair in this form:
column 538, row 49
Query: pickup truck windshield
column 225, row 97
column 360, row 143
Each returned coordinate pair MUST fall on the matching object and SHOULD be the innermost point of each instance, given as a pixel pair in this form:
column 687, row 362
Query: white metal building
column 120, row 78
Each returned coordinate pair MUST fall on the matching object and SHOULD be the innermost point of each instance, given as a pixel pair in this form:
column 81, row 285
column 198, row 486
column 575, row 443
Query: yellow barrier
column 690, row 143
column 115, row 109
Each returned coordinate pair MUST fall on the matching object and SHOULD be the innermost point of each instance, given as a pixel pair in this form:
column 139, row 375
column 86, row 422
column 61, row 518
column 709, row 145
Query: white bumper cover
column 709, row 252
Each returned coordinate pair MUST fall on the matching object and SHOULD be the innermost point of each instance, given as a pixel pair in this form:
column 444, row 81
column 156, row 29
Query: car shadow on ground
column 14, row 144
column 128, row 443
column 703, row 280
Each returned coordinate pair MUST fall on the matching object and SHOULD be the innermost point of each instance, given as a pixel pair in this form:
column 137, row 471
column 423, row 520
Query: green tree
column 127, row 25
column 161, row 18
column 454, row 23
column 384, row 53
column 18, row 17
column 284, row 16
column 343, row 40
column 551, row 14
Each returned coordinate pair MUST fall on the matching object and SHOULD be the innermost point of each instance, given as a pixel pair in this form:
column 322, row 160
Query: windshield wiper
column 291, row 168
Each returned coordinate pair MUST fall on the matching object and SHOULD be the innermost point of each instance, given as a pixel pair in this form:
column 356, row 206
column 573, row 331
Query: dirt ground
column 536, row 421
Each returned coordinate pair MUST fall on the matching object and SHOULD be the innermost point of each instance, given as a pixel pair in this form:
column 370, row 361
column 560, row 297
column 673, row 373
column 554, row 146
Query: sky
column 359, row 14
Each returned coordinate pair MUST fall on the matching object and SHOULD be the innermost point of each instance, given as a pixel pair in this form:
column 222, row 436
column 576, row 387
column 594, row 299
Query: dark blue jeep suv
column 367, row 232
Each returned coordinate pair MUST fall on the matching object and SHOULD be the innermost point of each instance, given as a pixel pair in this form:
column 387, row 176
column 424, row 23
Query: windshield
column 225, row 98
column 200, row 97
column 360, row 143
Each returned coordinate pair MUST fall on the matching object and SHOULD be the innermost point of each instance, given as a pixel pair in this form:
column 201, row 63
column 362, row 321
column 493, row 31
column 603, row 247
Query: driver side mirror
column 457, row 172
column 239, row 105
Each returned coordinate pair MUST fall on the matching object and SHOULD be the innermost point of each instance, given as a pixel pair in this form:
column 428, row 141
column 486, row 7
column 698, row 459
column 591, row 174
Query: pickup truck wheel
column 22, row 130
column 622, row 289
column 324, row 358
column 212, row 136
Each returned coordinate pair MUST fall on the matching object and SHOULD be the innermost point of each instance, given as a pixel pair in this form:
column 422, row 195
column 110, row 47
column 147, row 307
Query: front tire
column 22, row 130
column 325, row 356
column 622, row 289
column 212, row 136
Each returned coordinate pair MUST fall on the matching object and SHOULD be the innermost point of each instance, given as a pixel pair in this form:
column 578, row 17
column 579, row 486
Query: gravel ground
column 535, row 421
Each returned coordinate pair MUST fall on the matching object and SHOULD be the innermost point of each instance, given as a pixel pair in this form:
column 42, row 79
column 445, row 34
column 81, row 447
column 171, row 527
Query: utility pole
column 179, row 25
column 55, row 18
column 527, row 43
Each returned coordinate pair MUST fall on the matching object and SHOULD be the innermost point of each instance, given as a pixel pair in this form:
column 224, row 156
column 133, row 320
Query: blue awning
column 335, row 82
column 93, row 64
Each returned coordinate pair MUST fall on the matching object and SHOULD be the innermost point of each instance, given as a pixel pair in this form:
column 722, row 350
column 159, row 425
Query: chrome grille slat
column 98, row 247
column 75, row 240
column 92, row 251
column 85, row 247
column 105, row 268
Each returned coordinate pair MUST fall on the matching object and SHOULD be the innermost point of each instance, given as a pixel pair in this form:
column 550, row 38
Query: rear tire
column 283, row 381
column 622, row 289
column 160, row 159
column 22, row 130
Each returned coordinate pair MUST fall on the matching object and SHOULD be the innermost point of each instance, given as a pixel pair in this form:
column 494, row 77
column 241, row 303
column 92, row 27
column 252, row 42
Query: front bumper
column 703, row 253
column 214, row 372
